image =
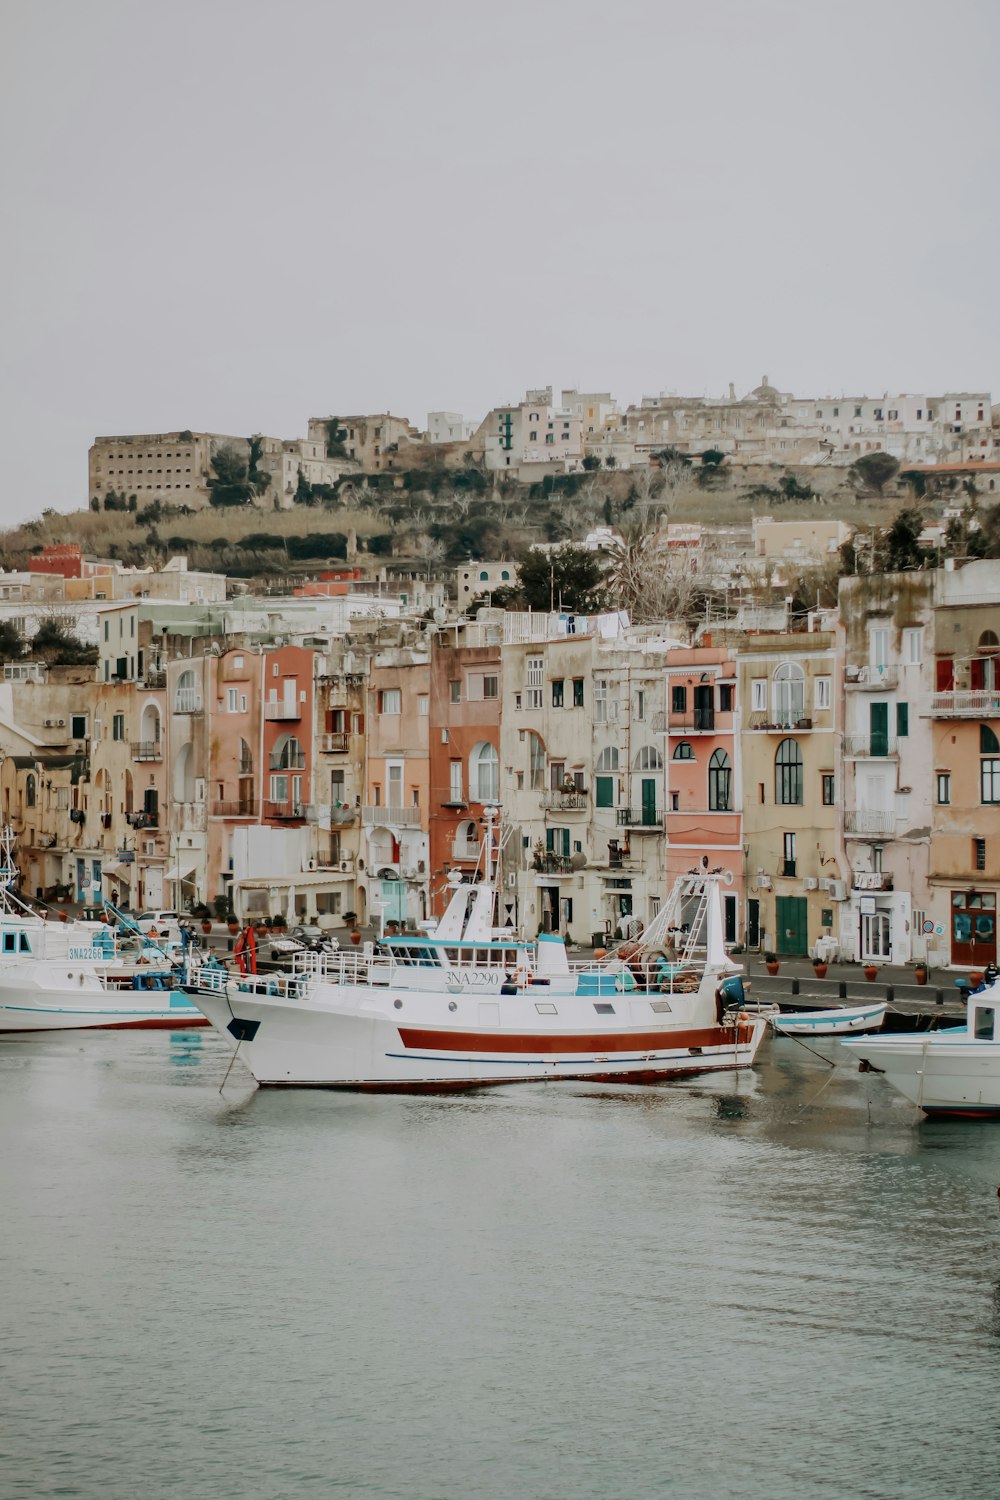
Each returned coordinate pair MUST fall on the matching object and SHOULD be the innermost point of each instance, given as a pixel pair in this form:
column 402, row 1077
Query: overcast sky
column 233, row 215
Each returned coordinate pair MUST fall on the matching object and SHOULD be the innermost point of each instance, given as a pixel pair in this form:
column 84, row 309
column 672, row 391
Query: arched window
column 505, row 575
column 989, row 765
column 184, row 774
column 788, row 693
column 30, row 791
column 720, row 782
column 288, row 754
column 536, row 762
column 246, row 759
column 484, row 773
column 608, row 759
column 484, row 577
column 186, row 697
column 989, row 641
column 788, row 773
column 648, row 759
column 149, row 729
column 984, row 670
column 683, row 750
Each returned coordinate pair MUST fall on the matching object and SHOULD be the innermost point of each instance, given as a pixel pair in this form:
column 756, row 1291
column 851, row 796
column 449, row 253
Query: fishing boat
column 954, row 1071
column 830, row 1020
column 57, row 976
column 468, row 1005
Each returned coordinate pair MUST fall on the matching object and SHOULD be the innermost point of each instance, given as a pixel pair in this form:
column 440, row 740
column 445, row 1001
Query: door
column 753, row 923
column 729, row 916
column 152, row 888
column 393, row 896
column 879, row 723
column 793, row 925
column 704, row 708
column 876, row 936
column 973, row 928
column 649, row 801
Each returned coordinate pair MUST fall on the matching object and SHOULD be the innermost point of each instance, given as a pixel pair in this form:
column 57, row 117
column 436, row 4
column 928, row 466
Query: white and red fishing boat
column 468, row 1005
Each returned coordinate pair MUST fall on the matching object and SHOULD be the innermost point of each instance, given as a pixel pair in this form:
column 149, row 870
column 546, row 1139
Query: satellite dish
column 578, row 860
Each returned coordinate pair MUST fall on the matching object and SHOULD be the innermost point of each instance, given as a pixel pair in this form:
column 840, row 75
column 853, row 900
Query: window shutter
column 605, row 791
column 945, row 674
column 902, row 720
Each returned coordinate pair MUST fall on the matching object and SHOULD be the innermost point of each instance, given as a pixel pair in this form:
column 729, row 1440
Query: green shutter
column 550, row 839
column 605, row 791
column 565, row 842
column 902, row 720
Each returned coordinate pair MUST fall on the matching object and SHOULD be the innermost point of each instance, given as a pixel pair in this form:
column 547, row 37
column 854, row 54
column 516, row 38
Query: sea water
column 782, row 1283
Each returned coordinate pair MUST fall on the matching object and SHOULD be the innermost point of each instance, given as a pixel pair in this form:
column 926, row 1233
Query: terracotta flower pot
column 871, row 971
column 772, row 969
column 921, row 974
column 64, row 916
column 355, row 936
column 820, row 970
column 206, row 927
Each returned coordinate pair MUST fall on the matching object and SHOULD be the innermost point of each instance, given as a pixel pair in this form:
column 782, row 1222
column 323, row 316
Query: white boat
column 830, row 1020
column 56, row 976
column 955, row 1071
column 469, row 1006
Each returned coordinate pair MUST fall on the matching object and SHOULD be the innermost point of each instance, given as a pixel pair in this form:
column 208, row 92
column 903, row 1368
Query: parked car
column 147, row 920
column 306, row 938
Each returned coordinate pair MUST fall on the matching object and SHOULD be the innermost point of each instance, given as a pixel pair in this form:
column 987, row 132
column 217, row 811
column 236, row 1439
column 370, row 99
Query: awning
column 177, row 873
column 303, row 880
column 118, row 871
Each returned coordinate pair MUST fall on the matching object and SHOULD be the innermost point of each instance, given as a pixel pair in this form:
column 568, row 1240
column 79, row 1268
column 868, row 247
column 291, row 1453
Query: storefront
column 880, row 921
column 973, row 928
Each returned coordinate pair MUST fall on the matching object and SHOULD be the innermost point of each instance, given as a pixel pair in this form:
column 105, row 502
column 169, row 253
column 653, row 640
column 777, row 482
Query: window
column 640, row 704
column 944, row 674
column 789, row 693
column 913, row 647
column 788, row 774
column 536, row 762
column 536, row 670
column 678, row 700
column 720, row 782
column 601, row 714
column 608, row 759
column 557, row 692
column 989, row 765
column 557, row 774
column 390, row 701
column 604, row 791
column 944, row 788
column 455, row 781
column 455, row 690
column 822, row 692
column 758, row 695
column 232, row 700
column 78, row 726
column 902, row 720
column 118, row 726
column 29, row 791
column 979, row 854
column 423, row 703
column 788, row 865
column 829, row 785
column 648, row 759
column 683, row 750
column 878, row 647
column 725, row 697
column 491, row 687
column 577, row 692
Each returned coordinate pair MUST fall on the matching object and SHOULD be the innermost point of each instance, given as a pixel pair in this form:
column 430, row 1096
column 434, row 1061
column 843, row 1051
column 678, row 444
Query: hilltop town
column 756, row 634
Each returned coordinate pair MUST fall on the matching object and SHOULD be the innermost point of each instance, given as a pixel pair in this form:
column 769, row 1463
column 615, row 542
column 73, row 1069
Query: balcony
column 463, row 849
column 870, row 746
column 245, row 807
column 639, row 818
column 871, row 679
column 147, row 750
column 142, row 819
column 284, row 812
column 982, row 704
column 871, row 880
column 341, row 815
column 861, row 823
column 335, row 744
column 776, row 723
column 283, row 710
column 154, row 679
column 188, row 701
column 374, row 815
column 577, row 801
column 287, row 760
column 550, row 863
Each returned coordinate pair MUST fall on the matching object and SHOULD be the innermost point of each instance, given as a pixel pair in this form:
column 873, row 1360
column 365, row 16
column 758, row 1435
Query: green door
column 793, row 925
column 649, row 801
column 879, row 722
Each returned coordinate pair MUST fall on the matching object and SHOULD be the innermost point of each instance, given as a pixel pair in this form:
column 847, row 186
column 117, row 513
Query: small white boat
column 830, row 1020
column 955, row 1071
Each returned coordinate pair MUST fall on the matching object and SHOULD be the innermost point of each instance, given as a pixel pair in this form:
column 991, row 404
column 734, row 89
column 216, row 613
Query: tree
column 565, row 577
column 335, row 435
column 55, row 643
column 11, row 644
column 237, row 480
column 303, row 489
column 899, row 549
column 872, row 471
column 713, row 457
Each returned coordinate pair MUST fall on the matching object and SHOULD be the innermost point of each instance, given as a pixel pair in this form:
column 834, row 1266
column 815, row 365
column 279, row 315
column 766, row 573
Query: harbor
column 585, row 1290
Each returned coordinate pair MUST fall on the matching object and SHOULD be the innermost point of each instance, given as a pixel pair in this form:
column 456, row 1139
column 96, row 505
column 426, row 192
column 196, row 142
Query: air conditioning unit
column 810, row 882
column 59, row 723
column 410, row 872
column 763, row 882
column 49, row 723
column 838, row 890
column 824, row 884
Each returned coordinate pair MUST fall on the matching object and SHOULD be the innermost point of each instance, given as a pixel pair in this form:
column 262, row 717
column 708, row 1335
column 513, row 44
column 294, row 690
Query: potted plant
column 771, row 963
column 871, row 971
column 820, row 967
column 233, row 925
column 350, row 920
column 920, row 973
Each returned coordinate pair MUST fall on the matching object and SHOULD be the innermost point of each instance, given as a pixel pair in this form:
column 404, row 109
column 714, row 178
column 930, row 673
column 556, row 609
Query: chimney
column 732, row 391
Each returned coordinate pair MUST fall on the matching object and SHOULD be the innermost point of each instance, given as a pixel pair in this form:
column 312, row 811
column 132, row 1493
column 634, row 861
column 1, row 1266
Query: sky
column 232, row 215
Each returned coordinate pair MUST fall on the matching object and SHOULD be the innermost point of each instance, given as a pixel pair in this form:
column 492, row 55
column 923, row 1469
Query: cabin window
column 10, row 942
column 660, row 1006
column 985, row 1023
column 604, row 1010
column 23, row 943
column 545, row 1009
